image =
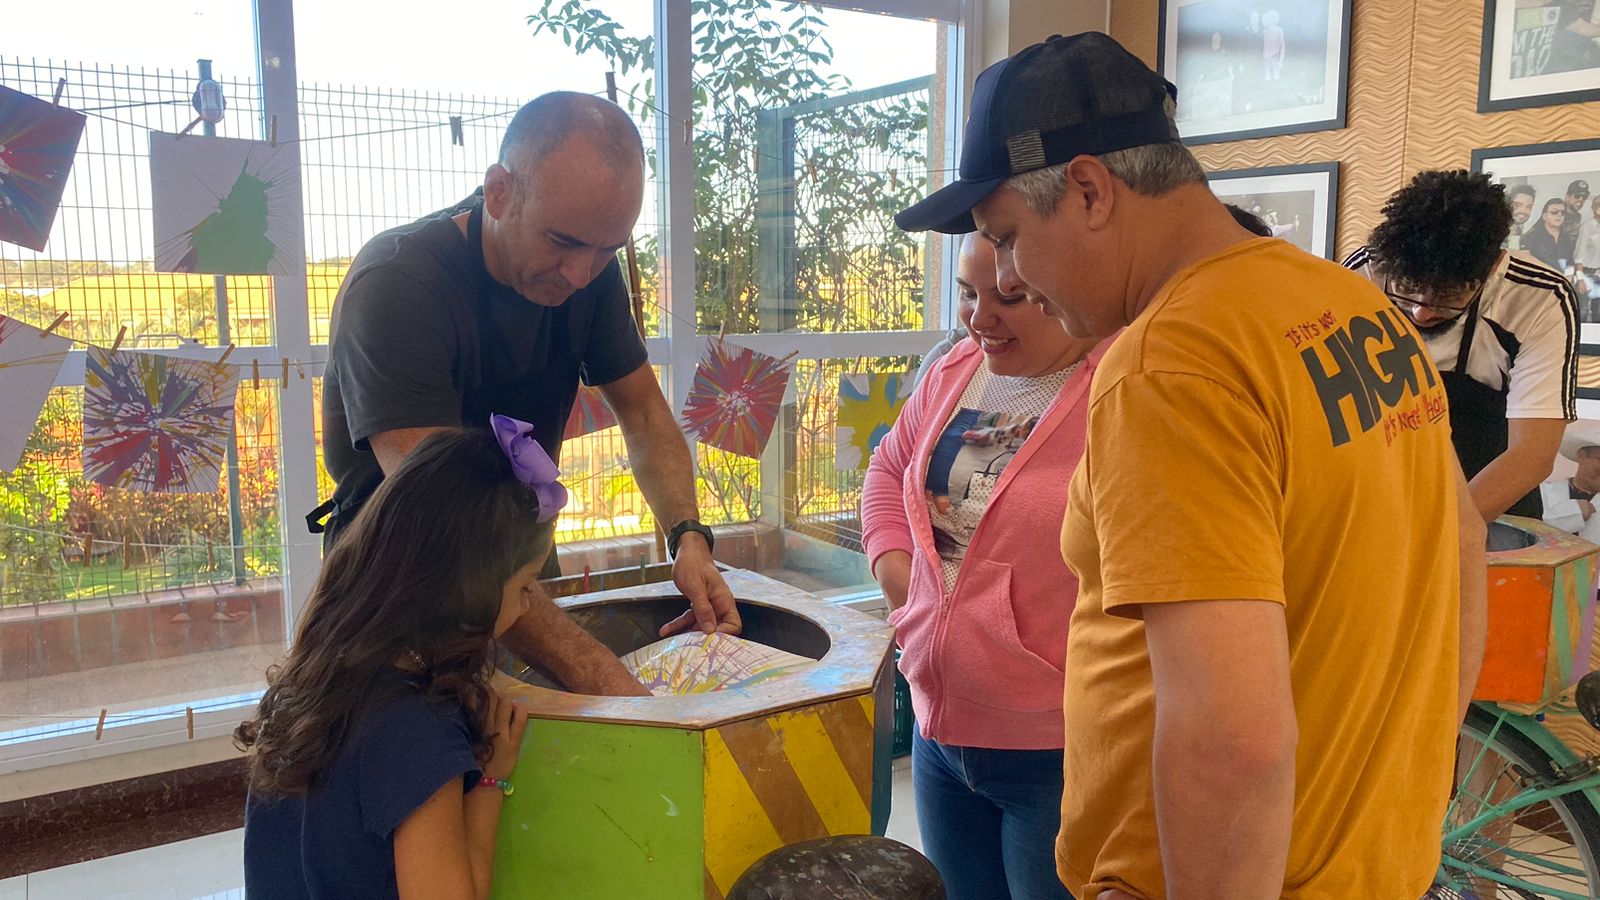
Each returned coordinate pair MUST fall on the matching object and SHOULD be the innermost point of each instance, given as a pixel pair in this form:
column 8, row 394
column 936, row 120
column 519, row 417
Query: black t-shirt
column 337, row 840
column 409, row 348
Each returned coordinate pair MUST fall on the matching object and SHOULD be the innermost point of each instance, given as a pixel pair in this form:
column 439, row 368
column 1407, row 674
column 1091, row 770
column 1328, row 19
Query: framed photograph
column 1254, row 68
column 1555, row 215
column 1299, row 203
column 1539, row 53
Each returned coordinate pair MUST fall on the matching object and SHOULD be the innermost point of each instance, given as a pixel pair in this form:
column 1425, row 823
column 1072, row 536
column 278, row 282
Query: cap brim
column 949, row 209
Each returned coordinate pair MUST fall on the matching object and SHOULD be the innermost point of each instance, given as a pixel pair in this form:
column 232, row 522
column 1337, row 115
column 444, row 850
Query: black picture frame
column 1338, row 10
column 1487, row 68
column 1484, row 154
column 1329, row 186
column 1549, row 178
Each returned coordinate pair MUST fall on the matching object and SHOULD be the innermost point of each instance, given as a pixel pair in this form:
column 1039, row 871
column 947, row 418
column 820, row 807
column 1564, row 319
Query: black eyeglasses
column 1423, row 297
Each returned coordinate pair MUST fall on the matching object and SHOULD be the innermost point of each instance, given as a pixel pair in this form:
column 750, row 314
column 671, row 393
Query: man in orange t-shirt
column 1282, row 603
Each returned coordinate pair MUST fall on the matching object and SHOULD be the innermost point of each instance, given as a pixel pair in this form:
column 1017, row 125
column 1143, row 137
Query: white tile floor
column 212, row 868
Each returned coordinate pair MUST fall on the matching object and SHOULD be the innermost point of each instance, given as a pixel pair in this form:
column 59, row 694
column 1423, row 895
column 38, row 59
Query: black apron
column 542, row 396
column 1478, row 426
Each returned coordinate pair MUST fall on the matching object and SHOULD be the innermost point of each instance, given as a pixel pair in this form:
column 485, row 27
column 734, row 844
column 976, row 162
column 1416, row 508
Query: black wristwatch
column 682, row 528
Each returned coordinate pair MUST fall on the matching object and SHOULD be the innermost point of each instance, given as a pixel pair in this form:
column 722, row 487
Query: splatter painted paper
column 37, row 143
column 733, row 403
column 29, row 363
column 868, row 406
column 156, row 423
column 224, row 206
column 699, row 663
column 589, row 414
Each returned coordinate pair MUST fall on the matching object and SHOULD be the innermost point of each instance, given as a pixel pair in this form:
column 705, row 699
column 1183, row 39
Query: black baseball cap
column 1045, row 105
column 1578, row 187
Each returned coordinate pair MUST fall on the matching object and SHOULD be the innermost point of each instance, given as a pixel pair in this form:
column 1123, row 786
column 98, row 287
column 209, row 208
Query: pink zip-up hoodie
column 985, row 663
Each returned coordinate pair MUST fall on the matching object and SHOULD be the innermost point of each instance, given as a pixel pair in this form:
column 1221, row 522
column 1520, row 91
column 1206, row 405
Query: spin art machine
column 1541, row 613
column 674, row 797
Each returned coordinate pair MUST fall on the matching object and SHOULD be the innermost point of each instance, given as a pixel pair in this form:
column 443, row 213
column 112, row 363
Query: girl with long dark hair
column 379, row 756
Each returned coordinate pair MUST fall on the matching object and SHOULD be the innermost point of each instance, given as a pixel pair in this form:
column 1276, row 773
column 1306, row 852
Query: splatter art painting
column 29, row 363
column 734, row 400
column 225, row 206
column 868, row 405
column 589, row 414
column 37, row 143
column 156, row 423
column 697, row 663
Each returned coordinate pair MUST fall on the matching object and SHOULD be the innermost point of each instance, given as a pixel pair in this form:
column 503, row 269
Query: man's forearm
column 1506, row 480
column 547, row 639
column 1224, row 814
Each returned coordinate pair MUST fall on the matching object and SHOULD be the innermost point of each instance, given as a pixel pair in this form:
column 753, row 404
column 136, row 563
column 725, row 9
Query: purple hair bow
column 531, row 464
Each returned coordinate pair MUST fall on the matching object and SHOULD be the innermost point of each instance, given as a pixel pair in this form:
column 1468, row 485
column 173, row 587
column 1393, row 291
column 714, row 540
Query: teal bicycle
column 1525, row 818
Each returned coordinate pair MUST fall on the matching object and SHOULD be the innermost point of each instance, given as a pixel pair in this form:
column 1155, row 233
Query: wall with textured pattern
column 1413, row 104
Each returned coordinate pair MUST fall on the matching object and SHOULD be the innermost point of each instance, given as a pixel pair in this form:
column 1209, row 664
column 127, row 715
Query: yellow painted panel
column 832, row 791
column 738, row 831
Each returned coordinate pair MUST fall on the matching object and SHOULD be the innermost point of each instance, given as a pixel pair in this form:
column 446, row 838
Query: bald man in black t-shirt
column 501, row 305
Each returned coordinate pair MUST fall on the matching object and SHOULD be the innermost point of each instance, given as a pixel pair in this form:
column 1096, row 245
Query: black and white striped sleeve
column 1544, row 319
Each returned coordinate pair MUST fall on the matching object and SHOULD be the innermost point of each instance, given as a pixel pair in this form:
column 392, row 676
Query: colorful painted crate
column 1541, row 612
column 674, row 797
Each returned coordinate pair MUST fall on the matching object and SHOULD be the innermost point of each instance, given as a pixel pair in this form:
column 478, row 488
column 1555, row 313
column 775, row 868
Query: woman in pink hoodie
column 961, row 515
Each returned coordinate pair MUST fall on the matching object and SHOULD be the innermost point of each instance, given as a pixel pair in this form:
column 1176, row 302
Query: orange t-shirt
column 1270, row 428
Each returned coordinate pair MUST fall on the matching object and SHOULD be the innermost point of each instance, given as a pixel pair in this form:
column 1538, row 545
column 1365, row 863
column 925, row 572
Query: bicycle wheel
column 1547, row 849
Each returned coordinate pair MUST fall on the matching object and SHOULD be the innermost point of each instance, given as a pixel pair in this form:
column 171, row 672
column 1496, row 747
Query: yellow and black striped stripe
column 794, row 776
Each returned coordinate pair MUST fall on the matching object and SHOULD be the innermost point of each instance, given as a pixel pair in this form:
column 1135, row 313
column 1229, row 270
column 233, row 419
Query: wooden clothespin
column 61, row 87
column 586, row 579
column 272, row 132
column 100, row 726
column 894, row 179
column 300, row 370
column 188, row 712
column 225, row 354
column 283, row 381
column 255, row 375
column 211, row 555
column 88, row 550
column 811, row 169
column 117, row 344
column 688, row 133
column 755, row 156
column 458, row 136
column 50, row 329
column 127, row 553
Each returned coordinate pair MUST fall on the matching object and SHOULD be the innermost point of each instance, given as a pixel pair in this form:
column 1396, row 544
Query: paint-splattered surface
column 156, row 423
column 857, row 649
column 37, row 143
column 868, row 405
column 704, row 663
column 734, row 400
column 224, row 206
column 29, row 362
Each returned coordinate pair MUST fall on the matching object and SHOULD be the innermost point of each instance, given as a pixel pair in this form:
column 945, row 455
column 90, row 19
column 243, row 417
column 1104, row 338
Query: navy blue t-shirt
column 337, row 840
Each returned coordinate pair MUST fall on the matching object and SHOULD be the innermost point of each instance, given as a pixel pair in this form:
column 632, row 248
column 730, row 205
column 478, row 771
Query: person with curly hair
column 1501, row 326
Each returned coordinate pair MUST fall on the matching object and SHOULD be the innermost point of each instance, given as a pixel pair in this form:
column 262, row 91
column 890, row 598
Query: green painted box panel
column 603, row 811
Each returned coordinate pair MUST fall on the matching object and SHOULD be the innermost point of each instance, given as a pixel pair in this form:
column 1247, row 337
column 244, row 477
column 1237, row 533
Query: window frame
column 676, row 350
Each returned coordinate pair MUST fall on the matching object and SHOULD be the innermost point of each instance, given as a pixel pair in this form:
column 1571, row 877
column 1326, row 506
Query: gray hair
column 548, row 121
column 1153, row 170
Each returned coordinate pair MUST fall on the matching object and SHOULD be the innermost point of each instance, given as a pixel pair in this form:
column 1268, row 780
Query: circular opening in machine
column 1509, row 537
column 626, row 624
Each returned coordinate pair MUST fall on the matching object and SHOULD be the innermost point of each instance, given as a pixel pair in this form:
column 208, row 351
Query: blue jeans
column 989, row 819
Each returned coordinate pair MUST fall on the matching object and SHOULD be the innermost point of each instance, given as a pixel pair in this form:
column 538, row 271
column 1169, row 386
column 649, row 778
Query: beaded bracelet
column 505, row 786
